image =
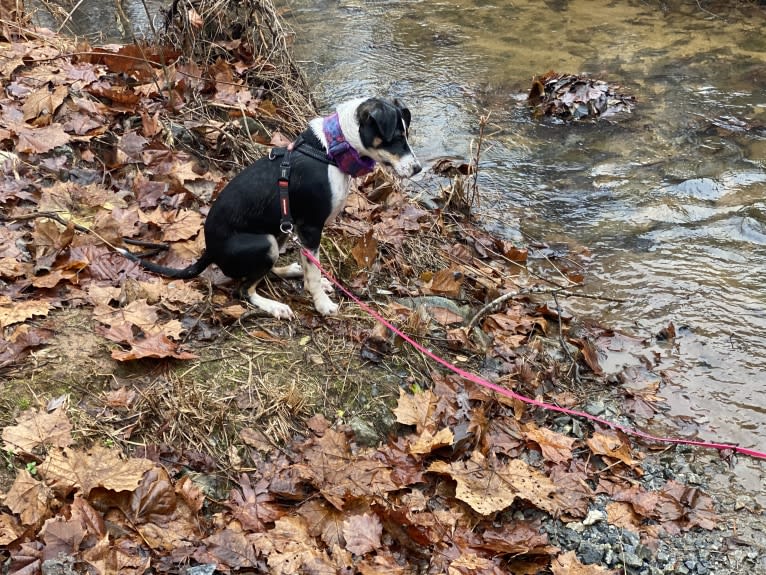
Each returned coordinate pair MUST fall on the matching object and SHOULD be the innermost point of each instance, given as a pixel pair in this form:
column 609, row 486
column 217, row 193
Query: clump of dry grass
column 250, row 31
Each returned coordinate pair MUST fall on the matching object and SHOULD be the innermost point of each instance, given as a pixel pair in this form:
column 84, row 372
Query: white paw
column 326, row 306
column 294, row 270
column 327, row 285
column 271, row 307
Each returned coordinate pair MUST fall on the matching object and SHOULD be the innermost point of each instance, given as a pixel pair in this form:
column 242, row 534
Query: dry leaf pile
column 455, row 492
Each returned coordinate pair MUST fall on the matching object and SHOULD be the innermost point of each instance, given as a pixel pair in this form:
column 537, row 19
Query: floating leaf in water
column 572, row 97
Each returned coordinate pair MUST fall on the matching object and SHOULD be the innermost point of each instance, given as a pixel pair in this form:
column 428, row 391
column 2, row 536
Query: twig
column 575, row 366
column 477, row 156
column 490, row 306
column 68, row 16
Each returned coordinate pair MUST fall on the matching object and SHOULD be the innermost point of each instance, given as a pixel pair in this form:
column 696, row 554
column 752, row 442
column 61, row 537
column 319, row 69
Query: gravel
column 736, row 547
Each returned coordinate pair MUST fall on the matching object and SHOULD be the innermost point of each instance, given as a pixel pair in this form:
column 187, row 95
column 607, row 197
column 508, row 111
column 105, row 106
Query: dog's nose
column 417, row 169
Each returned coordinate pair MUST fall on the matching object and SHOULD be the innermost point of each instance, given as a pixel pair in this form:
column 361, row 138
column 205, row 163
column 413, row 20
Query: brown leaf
column 446, row 282
column 622, row 515
column 568, row 564
column 67, row 469
column 10, row 529
column 416, row 409
column 11, row 268
column 362, row 533
column 29, row 499
column 49, row 239
column 43, row 102
column 186, row 224
column 590, row 354
column 444, row 316
column 643, row 502
column 21, row 340
column 426, row 442
column 191, row 493
column 555, row 446
column 489, row 486
column 254, row 507
column 35, row 428
column 365, row 250
column 610, row 444
column 18, row 311
column 130, row 146
column 61, row 536
column 153, row 499
column 323, row 521
column 120, row 398
column 155, row 345
column 39, row 140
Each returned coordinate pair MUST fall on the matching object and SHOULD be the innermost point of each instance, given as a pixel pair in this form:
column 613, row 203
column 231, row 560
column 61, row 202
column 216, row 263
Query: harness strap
column 283, row 182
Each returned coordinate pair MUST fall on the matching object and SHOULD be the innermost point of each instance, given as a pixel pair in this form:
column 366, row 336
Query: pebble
column 594, row 516
column 590, row 553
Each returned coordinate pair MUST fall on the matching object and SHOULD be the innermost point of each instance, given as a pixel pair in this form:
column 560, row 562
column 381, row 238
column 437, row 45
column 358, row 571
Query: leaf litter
column 154, row 473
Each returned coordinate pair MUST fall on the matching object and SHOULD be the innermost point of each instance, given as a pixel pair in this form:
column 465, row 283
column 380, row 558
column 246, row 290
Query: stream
column 670, row 202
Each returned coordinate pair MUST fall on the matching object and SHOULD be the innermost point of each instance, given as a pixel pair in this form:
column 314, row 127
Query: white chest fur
column 340, row 183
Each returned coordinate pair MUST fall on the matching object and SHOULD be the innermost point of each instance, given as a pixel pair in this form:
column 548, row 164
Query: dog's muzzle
column 407, row 166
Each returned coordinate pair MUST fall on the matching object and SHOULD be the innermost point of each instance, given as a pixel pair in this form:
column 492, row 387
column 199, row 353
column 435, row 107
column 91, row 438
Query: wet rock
column 364, row 432
column 595, row 407
column 591, row 553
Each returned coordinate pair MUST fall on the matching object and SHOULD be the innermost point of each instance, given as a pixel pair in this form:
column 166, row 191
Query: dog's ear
column 384, row 115
column 405, row 111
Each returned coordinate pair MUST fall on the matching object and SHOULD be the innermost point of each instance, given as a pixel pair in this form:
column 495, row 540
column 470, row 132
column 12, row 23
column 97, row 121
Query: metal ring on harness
column 286, row 227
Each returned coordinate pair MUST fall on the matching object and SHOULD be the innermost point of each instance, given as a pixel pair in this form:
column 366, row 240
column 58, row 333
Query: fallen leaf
column 155, row 345
column 568, row 564
column 489, row 486
column 416, row 409
column 10, row 529
column 426, row 442
column 610, row 444
column 66, row 469
column 362, row 533
column 555, row 447
column 29, row 498
column 365, row 250
column 19, row 311
column 39, row 140
column 446, row 282
column 35, row 428
column 44, row 102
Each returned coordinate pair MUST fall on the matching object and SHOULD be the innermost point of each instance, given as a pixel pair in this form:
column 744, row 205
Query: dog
column 252, row 216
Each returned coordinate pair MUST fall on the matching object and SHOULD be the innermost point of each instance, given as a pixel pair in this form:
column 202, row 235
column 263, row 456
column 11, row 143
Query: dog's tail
column 186, row 273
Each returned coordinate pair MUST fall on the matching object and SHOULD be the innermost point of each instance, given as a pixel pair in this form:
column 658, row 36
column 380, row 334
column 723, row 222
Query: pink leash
column 513, row 395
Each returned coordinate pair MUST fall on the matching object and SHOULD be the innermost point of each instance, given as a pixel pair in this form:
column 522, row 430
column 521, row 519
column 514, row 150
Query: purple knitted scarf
column 340, row 151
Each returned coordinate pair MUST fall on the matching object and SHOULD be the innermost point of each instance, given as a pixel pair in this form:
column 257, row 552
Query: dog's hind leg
column 295, row 270
column 251, row 256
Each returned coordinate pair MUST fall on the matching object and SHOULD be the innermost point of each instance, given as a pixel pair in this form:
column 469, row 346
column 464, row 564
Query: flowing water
column 670, row 202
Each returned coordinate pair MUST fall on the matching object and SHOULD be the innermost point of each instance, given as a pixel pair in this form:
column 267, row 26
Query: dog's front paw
column 326, row 306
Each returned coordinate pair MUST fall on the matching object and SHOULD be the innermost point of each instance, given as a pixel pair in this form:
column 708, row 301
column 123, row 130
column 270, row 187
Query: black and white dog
column 243, row 230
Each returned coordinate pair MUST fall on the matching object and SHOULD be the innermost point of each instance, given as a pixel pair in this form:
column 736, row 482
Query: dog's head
column 382, row 131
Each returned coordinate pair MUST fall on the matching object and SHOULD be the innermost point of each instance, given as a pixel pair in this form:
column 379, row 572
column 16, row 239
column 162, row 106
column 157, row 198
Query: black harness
column 283, row 182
